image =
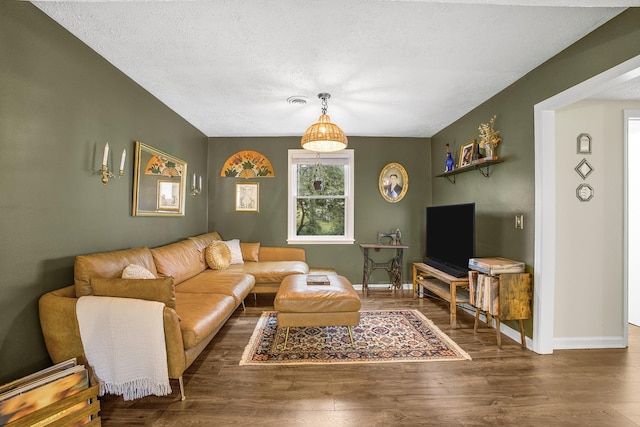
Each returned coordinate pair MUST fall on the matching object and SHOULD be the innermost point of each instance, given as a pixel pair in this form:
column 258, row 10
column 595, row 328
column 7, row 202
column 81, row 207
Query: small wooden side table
column 393, row 266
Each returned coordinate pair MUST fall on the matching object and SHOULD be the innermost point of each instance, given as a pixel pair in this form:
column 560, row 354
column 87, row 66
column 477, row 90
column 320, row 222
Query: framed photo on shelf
column 466, row 153
column 247, row 196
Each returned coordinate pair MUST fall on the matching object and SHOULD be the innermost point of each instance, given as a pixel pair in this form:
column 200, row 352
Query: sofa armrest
column 62, row 334
column 277, row 253
column 60, row 325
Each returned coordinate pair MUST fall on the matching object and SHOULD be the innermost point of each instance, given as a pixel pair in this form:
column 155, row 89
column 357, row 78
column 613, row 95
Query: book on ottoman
column 317, row 279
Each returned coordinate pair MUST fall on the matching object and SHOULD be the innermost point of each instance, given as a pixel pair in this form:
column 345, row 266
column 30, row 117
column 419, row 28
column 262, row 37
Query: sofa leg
column 182, row 397
column 244, row 307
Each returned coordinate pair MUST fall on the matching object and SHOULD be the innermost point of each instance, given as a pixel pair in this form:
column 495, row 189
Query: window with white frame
column 320, row 202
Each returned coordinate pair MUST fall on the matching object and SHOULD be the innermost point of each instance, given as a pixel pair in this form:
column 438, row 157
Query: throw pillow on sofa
column 161, row 290
column 135, row 271
column 236, row 252
column 250, row 251
column 217, row 255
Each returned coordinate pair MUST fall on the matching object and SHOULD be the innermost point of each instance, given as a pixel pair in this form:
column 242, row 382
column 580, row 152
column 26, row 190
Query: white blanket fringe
column 123, row 340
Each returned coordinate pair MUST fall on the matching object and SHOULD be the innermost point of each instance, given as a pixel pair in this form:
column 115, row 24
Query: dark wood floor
column 506, row 387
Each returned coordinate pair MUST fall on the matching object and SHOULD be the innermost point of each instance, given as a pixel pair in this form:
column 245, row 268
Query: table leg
column 415, row 282
column 522, row 336
column 452, row 305
column 365, row 272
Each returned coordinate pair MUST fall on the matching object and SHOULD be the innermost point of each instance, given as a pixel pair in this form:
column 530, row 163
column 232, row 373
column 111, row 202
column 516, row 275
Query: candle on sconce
column 105, row 155
column 124, row 156
column 193, row 185
column 200, row 186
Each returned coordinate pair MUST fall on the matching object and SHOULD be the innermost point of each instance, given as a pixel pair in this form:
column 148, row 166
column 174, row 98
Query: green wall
column 59, row 103
column 510, row 189
column 372, row 212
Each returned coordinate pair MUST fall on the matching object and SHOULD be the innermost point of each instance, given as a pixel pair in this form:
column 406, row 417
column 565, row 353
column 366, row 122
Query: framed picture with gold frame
column 247, row 196
column 393, row 182
column 466, row 153
column 159, row 183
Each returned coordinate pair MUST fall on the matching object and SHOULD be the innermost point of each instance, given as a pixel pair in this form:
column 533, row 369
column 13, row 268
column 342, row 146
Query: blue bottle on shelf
column 449, row 162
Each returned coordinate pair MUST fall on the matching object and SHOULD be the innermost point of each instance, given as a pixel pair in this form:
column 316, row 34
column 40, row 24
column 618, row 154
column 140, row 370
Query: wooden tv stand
column 452, row 289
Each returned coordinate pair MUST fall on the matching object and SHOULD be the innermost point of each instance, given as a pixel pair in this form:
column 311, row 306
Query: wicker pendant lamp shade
column 324, row 136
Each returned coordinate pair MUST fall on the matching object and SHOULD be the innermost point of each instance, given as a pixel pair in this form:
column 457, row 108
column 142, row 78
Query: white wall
column 589, row 290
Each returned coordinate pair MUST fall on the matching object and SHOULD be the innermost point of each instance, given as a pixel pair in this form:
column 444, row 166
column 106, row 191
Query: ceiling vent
column 297, row 100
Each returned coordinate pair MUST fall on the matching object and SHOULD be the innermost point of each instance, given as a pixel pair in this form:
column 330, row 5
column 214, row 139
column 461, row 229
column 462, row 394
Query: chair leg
column 351, row 335
column 244, row 307
column 182, row 397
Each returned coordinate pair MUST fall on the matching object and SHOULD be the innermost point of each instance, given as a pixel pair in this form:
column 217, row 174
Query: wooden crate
column 59, row 414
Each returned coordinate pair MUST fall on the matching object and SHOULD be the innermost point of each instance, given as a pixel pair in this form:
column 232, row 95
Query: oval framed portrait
column 393, row 182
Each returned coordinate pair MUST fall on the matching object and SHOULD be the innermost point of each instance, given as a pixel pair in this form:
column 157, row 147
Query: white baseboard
column 382, row 286
column 584, row 343
column 514, row 334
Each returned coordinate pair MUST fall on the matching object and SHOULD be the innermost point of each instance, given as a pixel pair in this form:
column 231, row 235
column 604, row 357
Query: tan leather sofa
column 204, row 298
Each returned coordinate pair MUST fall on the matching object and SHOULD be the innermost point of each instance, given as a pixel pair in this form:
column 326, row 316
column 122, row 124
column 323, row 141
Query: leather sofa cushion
column 277, row 253
column 181, row 260
column 250, row 251
column 237, row 285
column 203, row 240
column 108, row 265
column 201, row 315
column 270, row 271
column 161, row 290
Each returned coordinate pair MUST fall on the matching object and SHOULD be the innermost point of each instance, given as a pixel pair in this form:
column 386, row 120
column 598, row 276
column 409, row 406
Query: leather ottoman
column 300, row 304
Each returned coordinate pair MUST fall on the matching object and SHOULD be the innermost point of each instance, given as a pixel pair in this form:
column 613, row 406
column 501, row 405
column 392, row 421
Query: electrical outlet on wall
column 520, row 222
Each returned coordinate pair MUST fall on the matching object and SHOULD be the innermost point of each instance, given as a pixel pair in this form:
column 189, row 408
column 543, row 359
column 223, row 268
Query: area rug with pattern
column 382, row 336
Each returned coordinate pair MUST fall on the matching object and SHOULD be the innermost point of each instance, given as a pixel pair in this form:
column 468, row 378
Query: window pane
column 320, row 217
column 331, row 176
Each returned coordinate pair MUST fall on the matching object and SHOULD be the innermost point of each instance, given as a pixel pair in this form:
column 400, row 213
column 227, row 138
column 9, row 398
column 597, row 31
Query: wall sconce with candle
column 196, row 190
column 104, row 169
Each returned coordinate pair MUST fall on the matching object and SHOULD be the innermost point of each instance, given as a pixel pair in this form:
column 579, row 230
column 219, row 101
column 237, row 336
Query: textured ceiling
column 393, row 68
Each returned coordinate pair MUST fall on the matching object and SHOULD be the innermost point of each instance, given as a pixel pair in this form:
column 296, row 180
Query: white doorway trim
column 545, row 194
column 628, row 241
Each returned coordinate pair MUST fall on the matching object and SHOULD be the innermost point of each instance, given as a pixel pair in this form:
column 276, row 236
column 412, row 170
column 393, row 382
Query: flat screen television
column 451, row 237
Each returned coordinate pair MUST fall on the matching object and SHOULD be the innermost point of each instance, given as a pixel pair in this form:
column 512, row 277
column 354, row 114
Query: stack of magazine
column 46, row 387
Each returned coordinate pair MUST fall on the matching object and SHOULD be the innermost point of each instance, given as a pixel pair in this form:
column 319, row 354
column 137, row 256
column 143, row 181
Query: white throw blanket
column 123, row 339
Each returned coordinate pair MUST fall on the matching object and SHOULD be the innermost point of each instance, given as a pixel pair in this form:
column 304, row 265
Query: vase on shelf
column 488, row 151
column 449, row 163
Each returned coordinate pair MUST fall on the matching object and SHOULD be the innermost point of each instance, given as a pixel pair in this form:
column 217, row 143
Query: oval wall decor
column 393, row 182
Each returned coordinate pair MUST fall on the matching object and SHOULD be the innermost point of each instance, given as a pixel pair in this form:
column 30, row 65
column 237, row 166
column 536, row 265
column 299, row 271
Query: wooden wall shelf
column 482, row 167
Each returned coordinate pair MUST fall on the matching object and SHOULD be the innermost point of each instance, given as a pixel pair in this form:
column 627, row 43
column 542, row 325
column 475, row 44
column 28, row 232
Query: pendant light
column 324, row 136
